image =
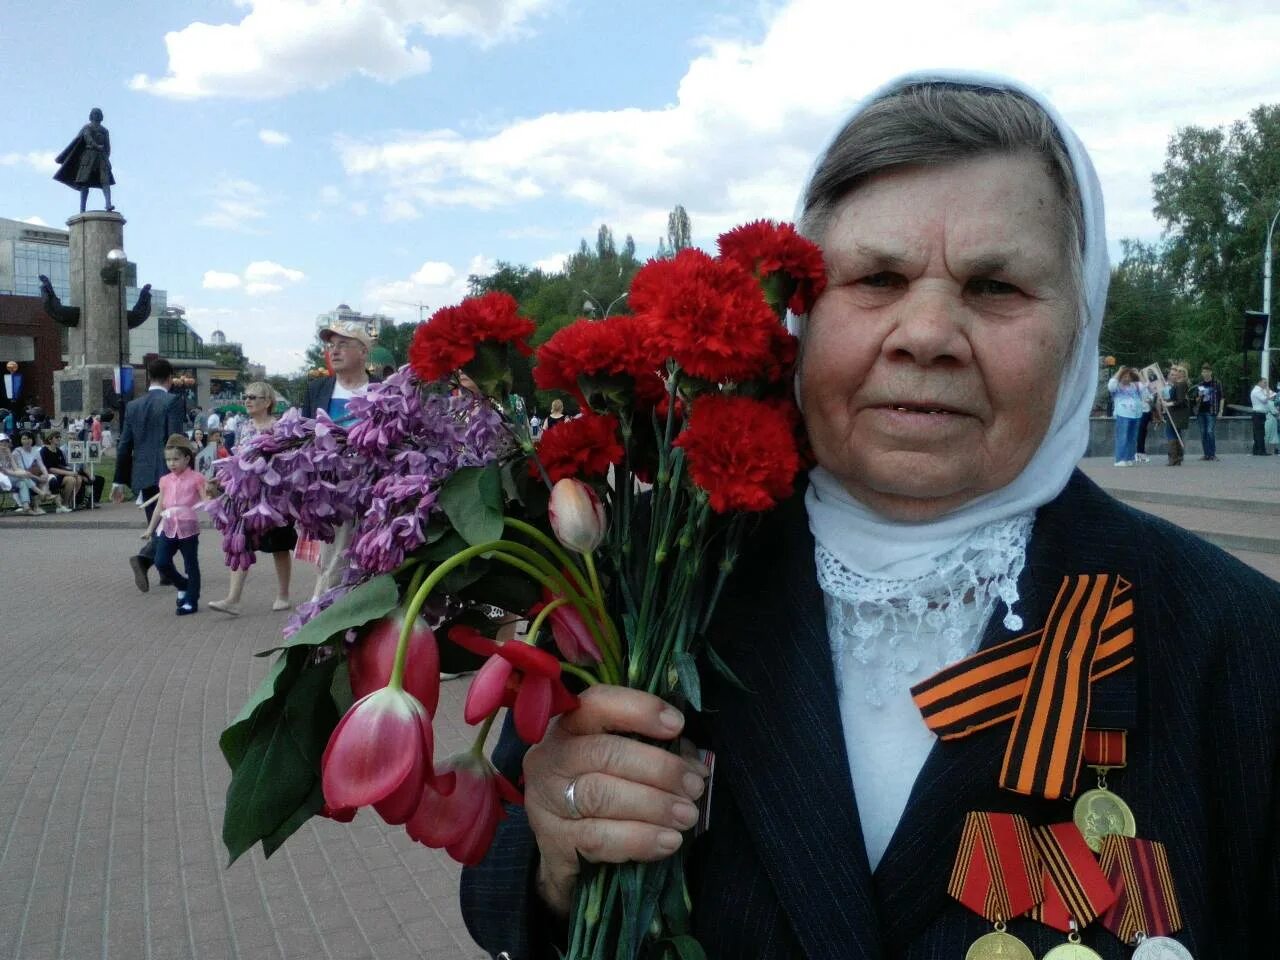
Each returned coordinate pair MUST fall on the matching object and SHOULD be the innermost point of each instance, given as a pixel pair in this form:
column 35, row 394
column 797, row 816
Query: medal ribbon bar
column 1075, row 888
column 996, row 873
column 1106, row 748
column 1138, row 870
column 1041, row 681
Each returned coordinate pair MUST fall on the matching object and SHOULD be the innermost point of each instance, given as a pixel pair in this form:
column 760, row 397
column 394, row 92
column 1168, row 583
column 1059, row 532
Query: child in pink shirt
column 180, row 490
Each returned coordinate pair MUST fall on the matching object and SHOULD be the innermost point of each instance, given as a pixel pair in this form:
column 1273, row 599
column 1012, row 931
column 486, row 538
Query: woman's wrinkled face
column 931, row 364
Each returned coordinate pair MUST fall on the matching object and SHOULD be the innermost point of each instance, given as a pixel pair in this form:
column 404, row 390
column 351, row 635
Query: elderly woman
column 950, row 626
column 260, row 404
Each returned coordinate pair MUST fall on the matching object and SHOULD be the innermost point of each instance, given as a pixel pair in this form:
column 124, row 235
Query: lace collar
column 890, row 633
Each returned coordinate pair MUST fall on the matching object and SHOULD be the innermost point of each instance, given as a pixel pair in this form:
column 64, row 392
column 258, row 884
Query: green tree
column 678, row 229
column 1215, row 194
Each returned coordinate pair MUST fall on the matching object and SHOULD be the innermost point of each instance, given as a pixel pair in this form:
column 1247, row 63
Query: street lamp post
column 593, row 303
column 1266, row 300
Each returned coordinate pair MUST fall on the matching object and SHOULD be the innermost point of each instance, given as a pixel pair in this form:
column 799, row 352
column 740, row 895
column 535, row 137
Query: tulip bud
column 577, row 515
column 370, row 661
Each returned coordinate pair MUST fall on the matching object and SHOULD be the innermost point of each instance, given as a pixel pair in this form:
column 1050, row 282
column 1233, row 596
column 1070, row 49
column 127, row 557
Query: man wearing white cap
column 348, row 345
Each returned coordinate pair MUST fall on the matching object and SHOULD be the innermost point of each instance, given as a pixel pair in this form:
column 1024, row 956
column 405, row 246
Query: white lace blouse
column 887, row 635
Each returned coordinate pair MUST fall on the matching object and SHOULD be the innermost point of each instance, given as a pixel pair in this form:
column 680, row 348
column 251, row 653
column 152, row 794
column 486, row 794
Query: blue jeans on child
column 1126, row 438
column 189, row 547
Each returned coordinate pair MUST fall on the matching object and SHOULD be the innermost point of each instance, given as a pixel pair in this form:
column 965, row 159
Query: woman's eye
column 882, row 280
column 989, row 287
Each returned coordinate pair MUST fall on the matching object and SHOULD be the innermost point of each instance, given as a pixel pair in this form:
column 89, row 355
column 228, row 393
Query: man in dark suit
column 148, row 422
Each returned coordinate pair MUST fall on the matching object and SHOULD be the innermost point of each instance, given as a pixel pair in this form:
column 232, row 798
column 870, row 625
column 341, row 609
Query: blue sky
column 277, row 157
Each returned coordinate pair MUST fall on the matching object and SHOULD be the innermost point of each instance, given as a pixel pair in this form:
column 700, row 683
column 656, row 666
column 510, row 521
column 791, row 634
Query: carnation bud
column 577, row 515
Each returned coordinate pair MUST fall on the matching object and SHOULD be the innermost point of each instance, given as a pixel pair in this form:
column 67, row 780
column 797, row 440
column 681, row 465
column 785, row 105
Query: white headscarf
column 873, row 546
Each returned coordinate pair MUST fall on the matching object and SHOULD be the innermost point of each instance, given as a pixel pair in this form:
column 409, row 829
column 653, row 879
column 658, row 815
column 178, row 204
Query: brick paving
column 112, row 785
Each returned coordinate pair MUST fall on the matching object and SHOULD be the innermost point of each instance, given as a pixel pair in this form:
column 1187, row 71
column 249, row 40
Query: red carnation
column 707, row 314
column 449, row 340
column 785, row 262
column 584, row 447
column 601, row 357
column 742, row 452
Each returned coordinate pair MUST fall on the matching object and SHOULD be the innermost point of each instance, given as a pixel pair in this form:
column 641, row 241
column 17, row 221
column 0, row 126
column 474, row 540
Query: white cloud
column 282, row 46
column 41, row 161
column 218, row 280
column 433, row 285
column 34, row 221
column 237, row 206
column 748, row 118
column 259, row 278
column 552, row 264
column 273, row 138
column 268, row 270
column 330, row 194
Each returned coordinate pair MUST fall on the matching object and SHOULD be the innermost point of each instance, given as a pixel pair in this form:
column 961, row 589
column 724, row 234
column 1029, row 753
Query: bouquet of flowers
column 611, row 536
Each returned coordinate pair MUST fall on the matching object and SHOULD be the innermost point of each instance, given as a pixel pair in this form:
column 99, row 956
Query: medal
column 1076, row 890
column 1072, row 950
column 996, row 875
column 1160, row 948
column 1146, row 908
column 999, row 945
column 1099, row 813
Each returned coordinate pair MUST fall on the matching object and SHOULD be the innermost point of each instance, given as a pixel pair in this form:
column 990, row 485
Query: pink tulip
column 576, row 515
column 371, row 659
column 379, row 755
column 461, row 812
column 572, row 636
column 518, row 676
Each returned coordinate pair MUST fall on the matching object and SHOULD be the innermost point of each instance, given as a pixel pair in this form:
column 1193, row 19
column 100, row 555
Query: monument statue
column 54, row 307
column 86, row 162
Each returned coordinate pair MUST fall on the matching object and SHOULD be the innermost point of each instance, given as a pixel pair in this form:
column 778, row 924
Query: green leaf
column 444, row 547
column 310, row 713
column 687, row 671
column 340, row 688
column 472, row 500
column 722, row 668
column 688, row 948
column 235, row 739
column 308, row 809
column 273, row 778
column 370, row 600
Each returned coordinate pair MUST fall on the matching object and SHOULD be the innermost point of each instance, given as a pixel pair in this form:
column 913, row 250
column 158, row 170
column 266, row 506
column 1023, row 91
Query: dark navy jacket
column 783, row 872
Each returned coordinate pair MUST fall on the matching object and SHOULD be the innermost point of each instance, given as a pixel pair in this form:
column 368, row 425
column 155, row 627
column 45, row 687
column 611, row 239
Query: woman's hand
column 633, row 798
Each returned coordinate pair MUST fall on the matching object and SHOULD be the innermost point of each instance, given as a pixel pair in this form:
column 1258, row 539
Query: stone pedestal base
column 81, row 391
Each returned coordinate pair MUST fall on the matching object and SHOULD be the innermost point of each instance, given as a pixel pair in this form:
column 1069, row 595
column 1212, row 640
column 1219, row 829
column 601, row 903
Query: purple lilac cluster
column 387, row 468
column 414, row 439
column 302, row 472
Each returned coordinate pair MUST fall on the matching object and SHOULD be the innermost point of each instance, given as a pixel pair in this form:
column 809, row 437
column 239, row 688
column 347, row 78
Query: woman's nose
column 929, row 329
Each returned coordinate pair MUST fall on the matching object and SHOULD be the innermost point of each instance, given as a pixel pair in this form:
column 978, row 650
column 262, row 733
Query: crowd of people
column 37, row 471
column 1171, row 400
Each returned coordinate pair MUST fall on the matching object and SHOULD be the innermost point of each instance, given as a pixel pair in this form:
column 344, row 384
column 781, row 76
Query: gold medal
column 999, row 946
column 1160, row 948
column 1072, row 951
column 1099, row 813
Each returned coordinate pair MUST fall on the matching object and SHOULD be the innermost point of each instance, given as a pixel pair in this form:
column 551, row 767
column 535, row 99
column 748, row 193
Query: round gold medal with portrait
column 1100, row 813
column 999, row 946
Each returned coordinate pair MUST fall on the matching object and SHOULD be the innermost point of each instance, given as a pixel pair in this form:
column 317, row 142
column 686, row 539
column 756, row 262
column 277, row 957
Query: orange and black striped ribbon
column 996, row 873
column 1146, row 903
column 1075, row 888
column 1041, row 681
column 1106, row 748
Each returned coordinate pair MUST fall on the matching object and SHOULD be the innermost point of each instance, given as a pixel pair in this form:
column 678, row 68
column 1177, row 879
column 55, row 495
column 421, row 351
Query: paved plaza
column 112, row 785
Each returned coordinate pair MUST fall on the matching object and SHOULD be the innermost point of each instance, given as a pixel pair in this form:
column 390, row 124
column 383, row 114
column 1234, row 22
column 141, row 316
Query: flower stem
column 396, row 682
column 531, row 637
column 584, row 675
column 477, row 748
column 552, row 547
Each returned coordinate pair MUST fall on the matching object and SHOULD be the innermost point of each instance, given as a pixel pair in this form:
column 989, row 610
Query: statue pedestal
column 81, row 391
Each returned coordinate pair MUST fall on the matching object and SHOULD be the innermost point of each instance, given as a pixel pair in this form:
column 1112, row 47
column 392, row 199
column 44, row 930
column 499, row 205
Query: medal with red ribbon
column 1099, row 812
column 1076, row 891
column 996, row 875
column 1146, row 905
